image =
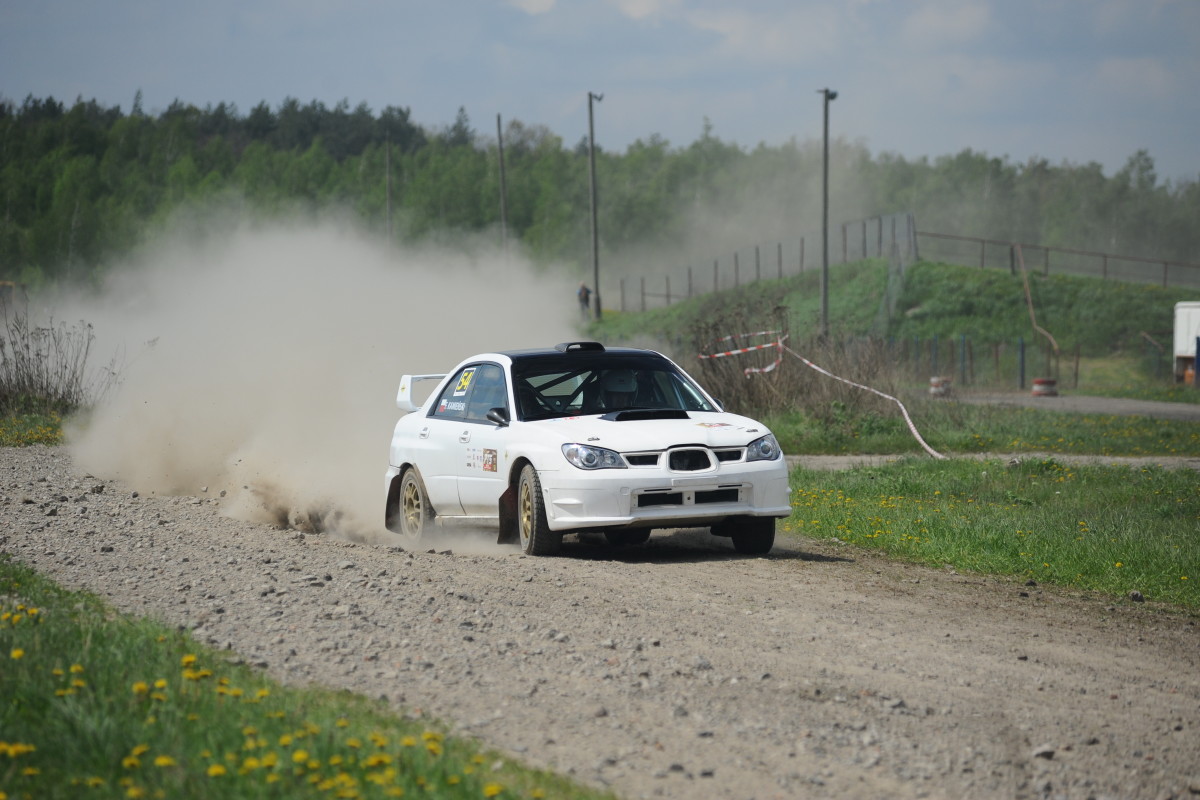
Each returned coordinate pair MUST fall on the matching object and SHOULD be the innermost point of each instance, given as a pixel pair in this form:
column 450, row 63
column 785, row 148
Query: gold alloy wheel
column 411, row 506
column 525, row 522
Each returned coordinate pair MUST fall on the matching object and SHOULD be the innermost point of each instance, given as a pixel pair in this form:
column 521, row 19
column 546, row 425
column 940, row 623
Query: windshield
column 576, row 385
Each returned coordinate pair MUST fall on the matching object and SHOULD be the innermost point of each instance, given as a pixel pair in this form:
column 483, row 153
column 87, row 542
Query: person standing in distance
column 585, row 295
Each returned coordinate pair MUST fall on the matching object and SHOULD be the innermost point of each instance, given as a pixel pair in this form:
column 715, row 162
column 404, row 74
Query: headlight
column 764, row 448
column 586, row 457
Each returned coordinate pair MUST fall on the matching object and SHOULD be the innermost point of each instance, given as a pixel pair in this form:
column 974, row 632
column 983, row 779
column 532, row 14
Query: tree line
column 83, row 184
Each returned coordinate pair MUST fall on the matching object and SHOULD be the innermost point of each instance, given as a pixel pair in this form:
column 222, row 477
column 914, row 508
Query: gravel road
column 674, row 670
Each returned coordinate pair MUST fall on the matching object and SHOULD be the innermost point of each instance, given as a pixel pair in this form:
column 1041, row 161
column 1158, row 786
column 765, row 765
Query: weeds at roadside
column 44, row 368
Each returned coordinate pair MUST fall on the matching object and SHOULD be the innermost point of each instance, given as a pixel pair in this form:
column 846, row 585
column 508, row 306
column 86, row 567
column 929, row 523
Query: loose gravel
column 675, row 670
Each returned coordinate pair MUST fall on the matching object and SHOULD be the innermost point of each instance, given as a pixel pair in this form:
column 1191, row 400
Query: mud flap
column 508, row 518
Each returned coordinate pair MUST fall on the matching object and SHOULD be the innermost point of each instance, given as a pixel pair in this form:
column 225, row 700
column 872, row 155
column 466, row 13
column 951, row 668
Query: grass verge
column 1110, row 529
column 953, row 427
column 99, row 705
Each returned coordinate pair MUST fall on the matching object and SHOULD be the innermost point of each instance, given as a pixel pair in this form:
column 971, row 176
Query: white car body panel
column 466, row 466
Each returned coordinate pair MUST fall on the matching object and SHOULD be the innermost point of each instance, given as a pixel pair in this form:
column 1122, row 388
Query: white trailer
column 1187, row 330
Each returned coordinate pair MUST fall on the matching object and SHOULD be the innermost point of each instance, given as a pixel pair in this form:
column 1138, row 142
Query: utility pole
column 387, row 168
column 592, row 175
column 829, row 95
column 503, row 190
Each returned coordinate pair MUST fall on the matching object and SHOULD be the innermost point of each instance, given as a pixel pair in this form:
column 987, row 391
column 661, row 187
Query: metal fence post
column 962, row 360
column 1020, row 362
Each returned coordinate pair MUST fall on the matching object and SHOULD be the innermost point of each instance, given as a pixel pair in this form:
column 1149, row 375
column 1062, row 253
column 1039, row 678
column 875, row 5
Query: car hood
column 633, row 432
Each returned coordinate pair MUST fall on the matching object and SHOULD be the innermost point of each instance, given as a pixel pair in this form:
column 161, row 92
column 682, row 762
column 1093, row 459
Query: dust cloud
column 263, row 361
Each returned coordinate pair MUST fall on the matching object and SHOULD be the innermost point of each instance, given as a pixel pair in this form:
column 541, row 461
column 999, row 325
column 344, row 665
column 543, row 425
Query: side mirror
column 498, row 416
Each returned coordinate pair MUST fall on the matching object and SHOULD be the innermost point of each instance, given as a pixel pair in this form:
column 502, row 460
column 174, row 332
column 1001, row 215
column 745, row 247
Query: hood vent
column 635, row 414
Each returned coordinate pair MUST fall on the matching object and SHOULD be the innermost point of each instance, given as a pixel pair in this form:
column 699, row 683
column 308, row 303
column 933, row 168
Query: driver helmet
column 619, row 388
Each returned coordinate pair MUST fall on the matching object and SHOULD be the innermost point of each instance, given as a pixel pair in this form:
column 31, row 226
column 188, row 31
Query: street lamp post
column 592, row 176
column 829, row 95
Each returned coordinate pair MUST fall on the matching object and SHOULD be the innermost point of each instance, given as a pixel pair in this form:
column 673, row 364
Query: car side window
column 453, row 402
column 487, row 391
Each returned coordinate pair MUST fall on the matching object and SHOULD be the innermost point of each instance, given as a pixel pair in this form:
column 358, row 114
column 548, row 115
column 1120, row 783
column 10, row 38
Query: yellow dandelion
column 140, row 749
column 141, row 687
column 161, row 683
column 76, row 669
column 300, row 756
column 492, row 789
column 164, row 761
column 135, row 792
column 216, row 770
column 131, row 762
column 187, row 660
column 16, row 652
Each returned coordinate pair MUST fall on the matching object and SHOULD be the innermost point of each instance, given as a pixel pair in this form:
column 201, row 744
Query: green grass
column 953, row 427
column 99, row 705
column 1109, row 529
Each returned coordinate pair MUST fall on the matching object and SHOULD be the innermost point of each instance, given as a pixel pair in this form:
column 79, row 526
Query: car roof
column 584, row 351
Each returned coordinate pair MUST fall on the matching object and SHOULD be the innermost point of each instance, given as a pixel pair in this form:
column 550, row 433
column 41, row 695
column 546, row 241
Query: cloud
column 534, row 7
column 643, row 9
column 946, row 23
column 1134, row 78
column 785, row 36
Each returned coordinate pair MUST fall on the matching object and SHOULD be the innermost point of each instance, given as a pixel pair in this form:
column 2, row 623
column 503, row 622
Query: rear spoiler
column 404, row 397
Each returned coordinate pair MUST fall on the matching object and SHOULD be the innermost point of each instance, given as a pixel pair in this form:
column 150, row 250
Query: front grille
column 688, row 460
column 728, row 455
column 659, row 498
column 642, row 460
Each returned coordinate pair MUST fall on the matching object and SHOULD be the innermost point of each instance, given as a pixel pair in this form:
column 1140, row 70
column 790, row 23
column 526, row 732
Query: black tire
column 536, row 537
column 627, row 538
column 413, row 515
column 754, row 536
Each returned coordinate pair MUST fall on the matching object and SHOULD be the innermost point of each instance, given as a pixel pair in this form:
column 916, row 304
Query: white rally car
column 580, row 438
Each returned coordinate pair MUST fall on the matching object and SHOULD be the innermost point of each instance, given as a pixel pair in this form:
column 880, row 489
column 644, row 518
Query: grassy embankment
column 1105, row 319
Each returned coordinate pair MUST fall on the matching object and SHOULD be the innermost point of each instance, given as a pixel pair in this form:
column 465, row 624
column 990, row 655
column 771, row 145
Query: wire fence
column 892, row 236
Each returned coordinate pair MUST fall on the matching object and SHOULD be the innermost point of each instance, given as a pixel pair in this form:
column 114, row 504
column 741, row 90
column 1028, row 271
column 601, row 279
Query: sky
column 1075, row 81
